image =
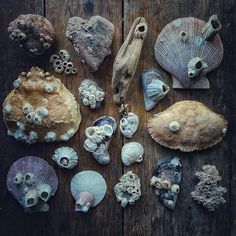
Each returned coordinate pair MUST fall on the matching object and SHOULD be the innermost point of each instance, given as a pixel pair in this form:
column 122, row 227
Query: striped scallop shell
column 42, row 172
column 173, row 54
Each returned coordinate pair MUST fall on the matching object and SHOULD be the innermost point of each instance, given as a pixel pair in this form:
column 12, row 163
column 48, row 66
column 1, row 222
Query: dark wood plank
column 106, row 218
column 148, row 216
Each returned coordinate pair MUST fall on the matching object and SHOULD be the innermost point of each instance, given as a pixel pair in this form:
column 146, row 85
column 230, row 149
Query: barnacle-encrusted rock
column 207, row 192
column 41, row 109
column 128, row 189
column 188, row 126
column 34, row 33
column 91, row 39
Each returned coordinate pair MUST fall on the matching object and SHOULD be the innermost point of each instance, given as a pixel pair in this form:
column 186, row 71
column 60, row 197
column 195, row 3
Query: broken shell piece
column 187, row 126
column 166, row 180
column 154, row 89
column 128, row 190
column 34, row 33
column 57, row 119
column 88, row 189
column 32, row 181
column 127, row 58
column 211, row 28
column 176, row 56
column 65, row 157
column 91, row 94
column 208, row 191
column 91, row 39
column 99, row 136
column 132, row 152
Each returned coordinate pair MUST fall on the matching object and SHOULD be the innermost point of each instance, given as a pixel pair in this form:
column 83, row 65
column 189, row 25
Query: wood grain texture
column 147, row 216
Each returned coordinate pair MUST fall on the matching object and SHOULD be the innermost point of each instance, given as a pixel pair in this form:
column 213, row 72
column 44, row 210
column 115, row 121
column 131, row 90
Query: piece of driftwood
column 127, row 59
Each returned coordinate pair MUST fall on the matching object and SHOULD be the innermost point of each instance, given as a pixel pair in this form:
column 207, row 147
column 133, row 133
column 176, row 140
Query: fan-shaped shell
column 188, row 126
column 173, row 54
column 89, row 182
column 40, row 173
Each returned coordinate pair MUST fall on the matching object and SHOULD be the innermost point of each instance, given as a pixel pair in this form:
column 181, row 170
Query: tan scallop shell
column 188, row 126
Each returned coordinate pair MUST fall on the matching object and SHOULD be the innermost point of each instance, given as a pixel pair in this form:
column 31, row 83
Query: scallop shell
column 32, row 178
column 188, row 126
column 154, row 89
column 88, row 189
column 65, row 157
column 173, row 54
column 99, row 136
column 166, row 180
column 132, row 152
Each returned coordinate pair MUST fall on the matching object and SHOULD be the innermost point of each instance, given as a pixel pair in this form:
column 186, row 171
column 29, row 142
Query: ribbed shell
column 43, row 174
column 173, row 54
column 89, row 181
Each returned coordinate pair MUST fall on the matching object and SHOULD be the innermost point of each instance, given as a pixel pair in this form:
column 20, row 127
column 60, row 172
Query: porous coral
column 208, row 192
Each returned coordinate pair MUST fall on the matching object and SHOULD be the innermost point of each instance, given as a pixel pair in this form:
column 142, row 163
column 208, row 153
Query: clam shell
column 154, row 89
column 41, row 173
column 173, row 54
column 88, row 182
column 187, row 126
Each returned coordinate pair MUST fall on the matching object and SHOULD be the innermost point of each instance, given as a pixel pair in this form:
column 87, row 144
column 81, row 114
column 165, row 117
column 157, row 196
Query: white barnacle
column 89, row 145
column 42, row 111
column 38, row 120
column 64, row 137
column 7, row 109
column 48, row 88
column 17, row 83
column 20, row 135
column 224, row 131
column 175, row 188
column 92, row 98
column 30, row 117
column 33, row 136
column 50, row 136
column 20, row 125
column 85, row 101
column 27, row 108
column 44, row 100
column 100, row 96
column 92, row 88
column 174, row 126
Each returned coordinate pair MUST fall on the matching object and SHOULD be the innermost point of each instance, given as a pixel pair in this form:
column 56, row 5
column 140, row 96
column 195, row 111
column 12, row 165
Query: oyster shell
column 99, row 136
column 132, row 152
column 42, row 109
column 32, row 181
column 91, row 39
column 91, row 94
column 181, row 41
column 128, row 190
column 166, row 180
column 88, row 189
column 154, row 89
column 188, row 126
column 34, row 33
column 65, row 157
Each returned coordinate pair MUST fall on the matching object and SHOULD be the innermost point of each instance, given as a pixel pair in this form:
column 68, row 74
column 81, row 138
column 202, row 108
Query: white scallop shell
column 65, row 157
column 173, row 54
column 132, row 152
column 90, row 182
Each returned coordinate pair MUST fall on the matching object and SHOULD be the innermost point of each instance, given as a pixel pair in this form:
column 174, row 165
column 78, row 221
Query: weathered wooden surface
column 147, row 216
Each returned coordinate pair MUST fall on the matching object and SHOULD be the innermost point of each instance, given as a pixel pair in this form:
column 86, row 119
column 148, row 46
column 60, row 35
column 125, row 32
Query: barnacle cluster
column 61, row 63
column 208, row 192
column 128, row 189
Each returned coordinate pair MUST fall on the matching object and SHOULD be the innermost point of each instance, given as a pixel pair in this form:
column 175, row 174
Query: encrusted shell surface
column 32, row 181
column 88, row 189
column 132, row 152
column 99, row 136
column 91, row 39
column 188, row 126
column 34, row 33
column 166, row 180
column 91, row 94
column 42, row 109
column 154, row 89
column 128, row 190
column 65, row 157
column 173, row 53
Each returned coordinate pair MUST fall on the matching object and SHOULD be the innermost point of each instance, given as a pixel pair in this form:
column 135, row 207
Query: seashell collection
column 90, row 94
column 61, row 63
column 41, row 109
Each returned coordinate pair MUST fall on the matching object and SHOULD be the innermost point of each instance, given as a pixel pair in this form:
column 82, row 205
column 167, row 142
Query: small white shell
column 48, row 88
column 132, row 152
column 50, row 136
column 174, row 126
column 27, row 108
column 88, row 182
column 65, row 157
